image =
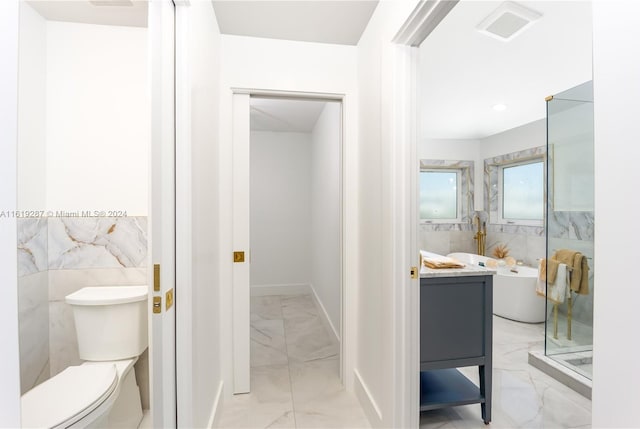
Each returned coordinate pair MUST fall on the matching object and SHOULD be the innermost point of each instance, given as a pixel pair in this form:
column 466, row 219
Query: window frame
column 459, row 208
column 500, row 215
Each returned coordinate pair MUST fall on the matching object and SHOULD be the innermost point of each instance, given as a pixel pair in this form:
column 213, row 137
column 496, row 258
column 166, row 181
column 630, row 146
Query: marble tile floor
column 295, row 379
column 523, row 396
column 294, row 371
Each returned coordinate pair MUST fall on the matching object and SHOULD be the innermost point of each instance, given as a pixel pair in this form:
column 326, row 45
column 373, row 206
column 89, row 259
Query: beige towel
column 433, row 260
column 547, row 270
column 579, row 268
column 435, row 263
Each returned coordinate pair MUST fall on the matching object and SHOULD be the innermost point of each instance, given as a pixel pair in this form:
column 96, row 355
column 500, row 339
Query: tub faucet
column 481, row 234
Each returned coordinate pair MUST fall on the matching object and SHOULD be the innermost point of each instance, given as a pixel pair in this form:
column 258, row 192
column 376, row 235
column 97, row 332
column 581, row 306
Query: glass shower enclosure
column 569, row 229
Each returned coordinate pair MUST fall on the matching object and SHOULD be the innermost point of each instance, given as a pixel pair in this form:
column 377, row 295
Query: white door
column 241, row 256
column 162, row 219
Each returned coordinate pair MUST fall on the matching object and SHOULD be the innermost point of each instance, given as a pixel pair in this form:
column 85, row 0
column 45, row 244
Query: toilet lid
column 72, row 394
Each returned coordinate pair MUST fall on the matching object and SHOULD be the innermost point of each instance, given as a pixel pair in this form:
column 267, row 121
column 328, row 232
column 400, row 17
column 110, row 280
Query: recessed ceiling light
column 499, row 107
column 507, row 21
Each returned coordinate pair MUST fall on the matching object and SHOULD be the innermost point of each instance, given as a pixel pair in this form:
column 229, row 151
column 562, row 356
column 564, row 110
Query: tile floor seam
column 286, row 349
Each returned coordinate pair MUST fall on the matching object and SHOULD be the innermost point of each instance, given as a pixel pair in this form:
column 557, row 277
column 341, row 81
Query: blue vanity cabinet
column 455, row 331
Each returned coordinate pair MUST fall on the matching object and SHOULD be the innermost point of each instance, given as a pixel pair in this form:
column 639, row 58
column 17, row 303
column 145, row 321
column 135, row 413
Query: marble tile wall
column 33, row 305
column 466, row 191
column 58, row 256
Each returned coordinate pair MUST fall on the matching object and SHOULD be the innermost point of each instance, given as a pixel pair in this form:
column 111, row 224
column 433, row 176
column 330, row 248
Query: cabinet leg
column 485, row 391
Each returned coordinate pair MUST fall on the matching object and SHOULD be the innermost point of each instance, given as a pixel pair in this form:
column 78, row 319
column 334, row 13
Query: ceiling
column 463, row 73
column 284, row 115
column 328, row 21
column 129, row 13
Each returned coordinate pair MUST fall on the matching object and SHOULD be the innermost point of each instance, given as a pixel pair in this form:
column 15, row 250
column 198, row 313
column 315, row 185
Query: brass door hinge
column 238, row 257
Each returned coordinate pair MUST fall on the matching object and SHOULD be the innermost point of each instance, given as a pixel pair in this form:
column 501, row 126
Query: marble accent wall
column 33, row 301
column 58, row 256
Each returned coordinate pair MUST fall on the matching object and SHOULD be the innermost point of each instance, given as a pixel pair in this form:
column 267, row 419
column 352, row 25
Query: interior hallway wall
column 280, row 201
column 33, row 264
column 325, row 212
column 376, row 385
column 9, row 358
column 201, row 388
column 270, row 64
column 616, row 66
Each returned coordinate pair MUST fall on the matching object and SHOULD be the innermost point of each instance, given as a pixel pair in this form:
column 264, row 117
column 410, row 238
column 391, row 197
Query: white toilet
column 111, row 323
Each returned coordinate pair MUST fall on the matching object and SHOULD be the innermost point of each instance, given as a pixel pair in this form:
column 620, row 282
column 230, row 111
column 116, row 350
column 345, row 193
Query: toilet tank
column 111, row 321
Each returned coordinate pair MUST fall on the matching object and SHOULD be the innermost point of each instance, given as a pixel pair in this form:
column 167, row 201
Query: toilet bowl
column 111, row 323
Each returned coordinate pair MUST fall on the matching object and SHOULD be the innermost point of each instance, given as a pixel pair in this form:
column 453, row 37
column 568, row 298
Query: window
column 522, row 193
column 440, row 195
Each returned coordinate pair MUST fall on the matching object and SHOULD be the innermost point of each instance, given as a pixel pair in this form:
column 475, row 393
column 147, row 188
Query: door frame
column 426, row 16
column 184, row 225
column 162, row 210
column 241, row 296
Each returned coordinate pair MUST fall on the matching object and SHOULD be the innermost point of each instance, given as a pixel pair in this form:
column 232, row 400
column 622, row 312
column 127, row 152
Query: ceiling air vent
column 507, row 21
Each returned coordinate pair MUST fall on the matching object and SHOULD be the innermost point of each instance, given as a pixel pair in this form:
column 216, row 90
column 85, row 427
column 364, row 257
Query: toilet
column 102, row 392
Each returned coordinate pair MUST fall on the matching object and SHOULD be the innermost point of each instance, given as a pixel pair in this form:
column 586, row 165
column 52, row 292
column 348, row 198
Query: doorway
column 288, row 180
column 87, row 133
column 288, row 212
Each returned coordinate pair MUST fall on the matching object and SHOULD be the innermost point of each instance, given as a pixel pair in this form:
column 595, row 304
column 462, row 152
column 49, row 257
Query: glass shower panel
column 570, row 227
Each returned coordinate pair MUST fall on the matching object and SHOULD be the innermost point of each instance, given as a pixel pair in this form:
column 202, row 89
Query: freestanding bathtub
column 514, row 294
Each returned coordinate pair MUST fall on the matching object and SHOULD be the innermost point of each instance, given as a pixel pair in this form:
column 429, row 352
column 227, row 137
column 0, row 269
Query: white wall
column 376, row 385
column 616, row 67
column 325, row 212
column 32, row 183
column 526, row 136
column 97, row 118
column 280, row 221
column 288, row 66
column 204, row 71
column 9, row 359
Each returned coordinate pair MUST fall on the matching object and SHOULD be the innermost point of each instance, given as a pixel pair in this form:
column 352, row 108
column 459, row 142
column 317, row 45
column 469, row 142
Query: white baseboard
column 217, row 407
column 369, row 405
column 326, row 321
column 287, row 289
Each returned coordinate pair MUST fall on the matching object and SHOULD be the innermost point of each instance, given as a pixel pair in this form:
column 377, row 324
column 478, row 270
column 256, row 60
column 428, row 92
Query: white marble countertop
column 468, row 270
